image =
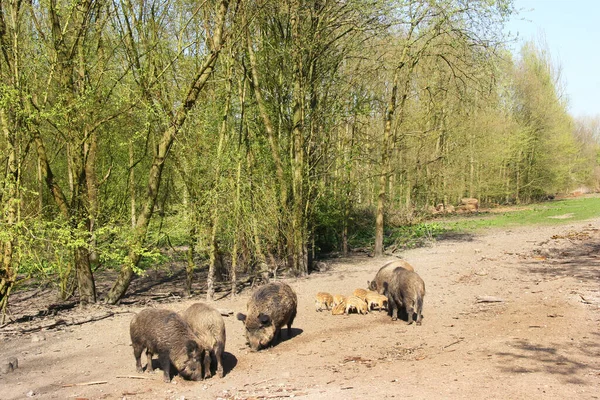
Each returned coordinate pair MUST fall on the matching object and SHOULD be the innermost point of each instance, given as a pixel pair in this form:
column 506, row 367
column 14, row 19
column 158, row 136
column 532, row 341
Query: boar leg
column 409, row 312
column 419, row 310
column 393, row 306
column 149, row 364
column 207, row 362
column 137, row 353
column 219, row 357
column 165, row 365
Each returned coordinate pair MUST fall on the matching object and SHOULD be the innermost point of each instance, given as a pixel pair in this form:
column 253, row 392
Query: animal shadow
column 229, row 362
column 402, row 315
column 287, row 334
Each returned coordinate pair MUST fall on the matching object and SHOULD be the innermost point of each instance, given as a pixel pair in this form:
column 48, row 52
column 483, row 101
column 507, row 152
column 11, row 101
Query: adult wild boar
column 269, row 308
column 384, row 274
column 164, row 332
column 208, row 325
column 405, row 289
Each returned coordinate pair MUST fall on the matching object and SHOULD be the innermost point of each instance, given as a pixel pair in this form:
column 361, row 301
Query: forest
column 258, row 135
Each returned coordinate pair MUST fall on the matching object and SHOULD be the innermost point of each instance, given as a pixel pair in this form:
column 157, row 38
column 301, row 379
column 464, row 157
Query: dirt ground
column 542, row 340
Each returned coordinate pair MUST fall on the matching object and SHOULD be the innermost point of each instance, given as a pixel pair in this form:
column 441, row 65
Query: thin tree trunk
column 197, row 85
column 132, row 185
column 267, row 122
column 273, row 143
column 215, row 209
column 40, row 188
column 238, row 190
column 388, row 143
column 80, row 220
column 236, row 217
column 299, row 229
column 10, row 203
column 191, row 265
column 383, row 177
column 92, row 197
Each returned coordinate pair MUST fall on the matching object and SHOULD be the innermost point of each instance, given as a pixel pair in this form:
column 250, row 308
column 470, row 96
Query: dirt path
column 542, row 341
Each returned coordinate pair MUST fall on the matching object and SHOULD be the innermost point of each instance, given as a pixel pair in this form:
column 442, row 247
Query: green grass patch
column 547, row 213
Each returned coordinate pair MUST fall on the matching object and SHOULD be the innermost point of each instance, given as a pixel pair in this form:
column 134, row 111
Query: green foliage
column 328, row 222
column 361, row 228
column 472, row 120
column 411, row 236
column 45, row 253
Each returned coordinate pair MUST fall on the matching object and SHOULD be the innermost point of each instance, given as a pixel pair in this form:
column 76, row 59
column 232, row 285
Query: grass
column 547, row 213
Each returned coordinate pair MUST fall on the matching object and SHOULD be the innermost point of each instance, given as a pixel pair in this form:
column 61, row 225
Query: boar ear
column 264, row 318
column 241, row 317
column 385, row 287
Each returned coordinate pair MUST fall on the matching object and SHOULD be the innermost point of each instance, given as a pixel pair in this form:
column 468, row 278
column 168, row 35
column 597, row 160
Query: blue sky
column 571, row 30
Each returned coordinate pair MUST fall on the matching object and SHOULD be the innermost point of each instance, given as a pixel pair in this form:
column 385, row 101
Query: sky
column 571, row 31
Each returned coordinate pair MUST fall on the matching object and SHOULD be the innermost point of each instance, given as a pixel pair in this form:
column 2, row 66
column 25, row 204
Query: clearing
column 541, row 339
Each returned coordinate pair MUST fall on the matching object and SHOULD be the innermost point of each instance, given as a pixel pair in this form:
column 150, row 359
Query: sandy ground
column 541, row 341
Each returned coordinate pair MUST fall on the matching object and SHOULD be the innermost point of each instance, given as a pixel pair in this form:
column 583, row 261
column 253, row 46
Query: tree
column 178, row 116
column 546, row 147
column 432, row 30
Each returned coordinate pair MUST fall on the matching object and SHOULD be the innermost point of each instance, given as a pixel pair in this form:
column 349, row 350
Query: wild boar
column 338, row 298
column 405, row 289
column 208, row 326
column 269, row 308
column 165, row 333
column 323, row 301
column 384, row 274
column 360, row 293
column 375, row 299
column 339, row 308
column 354, row 303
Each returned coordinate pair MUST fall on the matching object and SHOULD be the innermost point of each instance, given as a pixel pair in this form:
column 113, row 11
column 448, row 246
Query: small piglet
column 165, row 333
column 405, row 289
column 270, row 307
column 208, row 325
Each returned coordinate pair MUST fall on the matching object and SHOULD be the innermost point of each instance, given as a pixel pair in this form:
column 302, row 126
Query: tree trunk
column 10, row 202
column 196, row 86
column 132, row 185
column 191, row 265
column 299, row 228
column 385, row 169
column 92, row 197
column 213, row 270
column 80, row 220
column 234, row 250
column 267, row 122
column 387, row 142
column 85, row 279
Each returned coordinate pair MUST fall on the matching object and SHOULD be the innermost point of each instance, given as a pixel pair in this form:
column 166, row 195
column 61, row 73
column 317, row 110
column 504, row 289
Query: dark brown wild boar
column 384, row 274
column 165, row 333
column 405, row 289
column 208, row 325
column 270, row 307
